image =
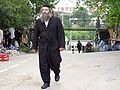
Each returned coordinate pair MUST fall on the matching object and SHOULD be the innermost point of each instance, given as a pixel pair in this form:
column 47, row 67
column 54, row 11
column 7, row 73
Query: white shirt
column 46, row 23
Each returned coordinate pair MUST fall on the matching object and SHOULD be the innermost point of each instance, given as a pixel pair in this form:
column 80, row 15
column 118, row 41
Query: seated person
column 2, row 49
column 101, row 46
column 12, row 47
column 88, row 47
column 116, row 46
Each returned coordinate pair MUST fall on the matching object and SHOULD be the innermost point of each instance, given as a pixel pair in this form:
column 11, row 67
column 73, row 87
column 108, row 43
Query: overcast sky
column 66, row 3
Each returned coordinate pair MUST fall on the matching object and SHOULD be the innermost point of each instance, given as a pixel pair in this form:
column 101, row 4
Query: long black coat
column 49, row 39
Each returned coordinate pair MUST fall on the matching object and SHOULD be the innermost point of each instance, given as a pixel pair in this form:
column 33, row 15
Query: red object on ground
column 4, row 57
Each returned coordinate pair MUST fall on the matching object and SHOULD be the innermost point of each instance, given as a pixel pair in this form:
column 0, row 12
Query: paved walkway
column 84, row 71
column 91, row 71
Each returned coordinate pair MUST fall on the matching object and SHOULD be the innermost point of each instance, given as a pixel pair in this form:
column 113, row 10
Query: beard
column 45, row 17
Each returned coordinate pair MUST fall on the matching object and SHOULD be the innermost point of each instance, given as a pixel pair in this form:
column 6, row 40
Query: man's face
column 45, row 14
column 45, row 10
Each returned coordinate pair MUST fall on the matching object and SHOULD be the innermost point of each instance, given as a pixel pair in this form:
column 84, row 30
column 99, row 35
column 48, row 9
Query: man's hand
column 61, row 49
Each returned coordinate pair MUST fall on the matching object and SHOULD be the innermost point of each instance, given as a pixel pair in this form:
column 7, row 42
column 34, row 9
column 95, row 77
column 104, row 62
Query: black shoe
column 57, row 78
column 45, row 85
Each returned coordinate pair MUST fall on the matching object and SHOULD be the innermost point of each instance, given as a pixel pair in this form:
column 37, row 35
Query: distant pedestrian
column 79, row 45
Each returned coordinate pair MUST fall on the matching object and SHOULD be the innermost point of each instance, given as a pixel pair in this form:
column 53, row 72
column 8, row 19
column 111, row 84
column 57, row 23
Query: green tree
column 107, row 10
column 82, row 17
column 113, row 14
column 14, row 13
column 81, row 35
column 37, row 4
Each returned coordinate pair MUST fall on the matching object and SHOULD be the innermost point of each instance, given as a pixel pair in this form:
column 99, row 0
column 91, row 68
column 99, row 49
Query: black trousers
column 79, row 49
column 46, row 64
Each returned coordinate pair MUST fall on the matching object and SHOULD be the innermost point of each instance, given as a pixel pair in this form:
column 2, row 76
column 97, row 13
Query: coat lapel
column 44, row 26
column 49, row 23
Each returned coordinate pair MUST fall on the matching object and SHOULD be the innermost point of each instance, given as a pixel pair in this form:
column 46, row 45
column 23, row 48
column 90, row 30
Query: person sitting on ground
column 25, row 39
column 116, row 46
column 88, row 47
column 2, row 49
column 102, row 46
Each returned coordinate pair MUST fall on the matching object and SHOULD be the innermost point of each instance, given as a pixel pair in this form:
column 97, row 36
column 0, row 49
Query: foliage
column 37, row 4
column 15, row 13
column 20, row 13
column 81, row 35
column 114, row 12
column 107, row 10
column 82, row 15
column 79, row 17
column 66, row 21
column 75, row 26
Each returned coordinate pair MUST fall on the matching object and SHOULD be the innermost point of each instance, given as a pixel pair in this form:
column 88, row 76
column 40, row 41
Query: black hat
column 46, row 5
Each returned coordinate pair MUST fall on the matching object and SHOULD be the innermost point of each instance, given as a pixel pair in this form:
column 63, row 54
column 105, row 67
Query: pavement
column 79, row 71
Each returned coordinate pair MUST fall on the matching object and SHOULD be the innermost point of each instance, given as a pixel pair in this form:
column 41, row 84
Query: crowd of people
column 107, row 47
column 12, row 39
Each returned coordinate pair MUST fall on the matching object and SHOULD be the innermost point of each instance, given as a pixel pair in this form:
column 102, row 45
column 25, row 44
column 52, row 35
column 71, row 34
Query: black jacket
column 49, row 38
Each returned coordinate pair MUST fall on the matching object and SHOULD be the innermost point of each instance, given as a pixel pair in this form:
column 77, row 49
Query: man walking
column 49, row 36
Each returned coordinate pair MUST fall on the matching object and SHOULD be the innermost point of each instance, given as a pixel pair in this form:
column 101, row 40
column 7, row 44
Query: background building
column 65, row 6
